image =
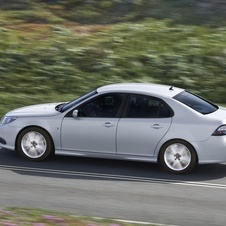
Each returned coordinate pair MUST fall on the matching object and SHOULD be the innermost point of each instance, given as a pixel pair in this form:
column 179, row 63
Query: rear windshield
column 195, row 102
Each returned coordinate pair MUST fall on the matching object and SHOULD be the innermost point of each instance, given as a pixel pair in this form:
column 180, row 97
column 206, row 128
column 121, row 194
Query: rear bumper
column 212, row 150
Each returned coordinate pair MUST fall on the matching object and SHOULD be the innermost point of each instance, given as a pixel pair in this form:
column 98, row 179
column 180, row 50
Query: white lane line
column 113, row 176
column 143, row 223
column 136, row 222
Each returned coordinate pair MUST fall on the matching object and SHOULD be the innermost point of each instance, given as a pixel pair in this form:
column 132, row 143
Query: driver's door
column 94, row 128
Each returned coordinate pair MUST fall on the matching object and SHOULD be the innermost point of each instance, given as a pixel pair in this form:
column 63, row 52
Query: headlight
column 220, row 131
column 8, row 119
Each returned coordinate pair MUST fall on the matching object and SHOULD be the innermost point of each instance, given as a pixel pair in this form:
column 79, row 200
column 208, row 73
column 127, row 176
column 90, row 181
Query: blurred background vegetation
column 55, row 50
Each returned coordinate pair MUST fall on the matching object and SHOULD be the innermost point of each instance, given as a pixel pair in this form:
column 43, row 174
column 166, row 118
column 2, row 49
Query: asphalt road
column 116, row 189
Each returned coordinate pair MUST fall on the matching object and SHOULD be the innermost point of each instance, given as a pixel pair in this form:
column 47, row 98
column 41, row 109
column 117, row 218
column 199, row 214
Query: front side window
column 105, row 106
column 66, row 106
column 142, row 106
column 197, row 103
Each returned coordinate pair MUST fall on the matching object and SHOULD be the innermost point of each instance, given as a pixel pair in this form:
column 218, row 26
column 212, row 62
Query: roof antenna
column 171, row 88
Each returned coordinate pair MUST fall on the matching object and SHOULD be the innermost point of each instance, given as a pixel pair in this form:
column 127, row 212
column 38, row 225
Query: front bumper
column 8, row 135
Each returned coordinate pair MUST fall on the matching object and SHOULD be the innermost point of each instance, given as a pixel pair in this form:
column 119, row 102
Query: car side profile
column 130, row 121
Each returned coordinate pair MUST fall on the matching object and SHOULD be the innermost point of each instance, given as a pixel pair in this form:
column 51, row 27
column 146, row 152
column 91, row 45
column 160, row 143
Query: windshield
column 195, row 102
column 66, row 106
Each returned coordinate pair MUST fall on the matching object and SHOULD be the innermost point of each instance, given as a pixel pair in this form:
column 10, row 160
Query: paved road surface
column 115, row 189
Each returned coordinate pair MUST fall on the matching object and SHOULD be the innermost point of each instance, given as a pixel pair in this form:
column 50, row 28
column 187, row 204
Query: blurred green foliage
column 56, row 50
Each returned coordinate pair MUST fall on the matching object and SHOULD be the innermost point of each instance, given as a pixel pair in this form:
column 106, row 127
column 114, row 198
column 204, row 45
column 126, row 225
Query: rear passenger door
column 145, row 121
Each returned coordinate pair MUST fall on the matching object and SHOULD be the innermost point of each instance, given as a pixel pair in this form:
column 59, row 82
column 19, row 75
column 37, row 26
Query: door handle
column 108, row 124
column 156, row 126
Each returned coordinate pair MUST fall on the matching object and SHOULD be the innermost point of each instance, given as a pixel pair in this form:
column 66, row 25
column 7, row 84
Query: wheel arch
column 177, row 140
column 34, row 126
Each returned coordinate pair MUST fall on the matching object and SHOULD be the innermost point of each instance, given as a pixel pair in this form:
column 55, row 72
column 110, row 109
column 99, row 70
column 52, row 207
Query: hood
column 36, row 110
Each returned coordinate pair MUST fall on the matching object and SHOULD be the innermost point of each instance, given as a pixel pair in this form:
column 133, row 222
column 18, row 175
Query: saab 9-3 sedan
column 140, row 122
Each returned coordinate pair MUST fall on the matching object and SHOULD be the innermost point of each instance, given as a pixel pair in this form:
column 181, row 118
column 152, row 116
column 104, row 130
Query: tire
column 178, row 157
column 35, row 144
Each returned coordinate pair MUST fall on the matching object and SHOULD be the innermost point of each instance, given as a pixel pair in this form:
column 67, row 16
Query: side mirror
column 75, row 114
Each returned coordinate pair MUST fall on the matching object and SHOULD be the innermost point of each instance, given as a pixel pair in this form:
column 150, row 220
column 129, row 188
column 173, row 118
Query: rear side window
column 142, row 106
column 195, row 102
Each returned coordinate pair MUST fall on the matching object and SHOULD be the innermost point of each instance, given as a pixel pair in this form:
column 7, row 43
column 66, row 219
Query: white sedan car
column 142, row 122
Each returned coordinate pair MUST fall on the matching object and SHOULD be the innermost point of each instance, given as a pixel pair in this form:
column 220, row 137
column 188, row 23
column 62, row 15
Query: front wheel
column 35, row 144
column 178, row 156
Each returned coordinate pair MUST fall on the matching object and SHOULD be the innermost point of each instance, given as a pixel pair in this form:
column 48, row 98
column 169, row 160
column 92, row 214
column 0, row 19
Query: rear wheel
column 35, row 144
column 178, row 156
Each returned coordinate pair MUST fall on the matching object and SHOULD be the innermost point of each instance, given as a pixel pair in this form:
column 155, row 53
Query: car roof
column 147, row 88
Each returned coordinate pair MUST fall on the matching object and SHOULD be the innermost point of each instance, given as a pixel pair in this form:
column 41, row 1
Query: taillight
column 220, row 131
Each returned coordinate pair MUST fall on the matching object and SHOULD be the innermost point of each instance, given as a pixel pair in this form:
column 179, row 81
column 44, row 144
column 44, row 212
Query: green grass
column 57, row 50
column 38, row 217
